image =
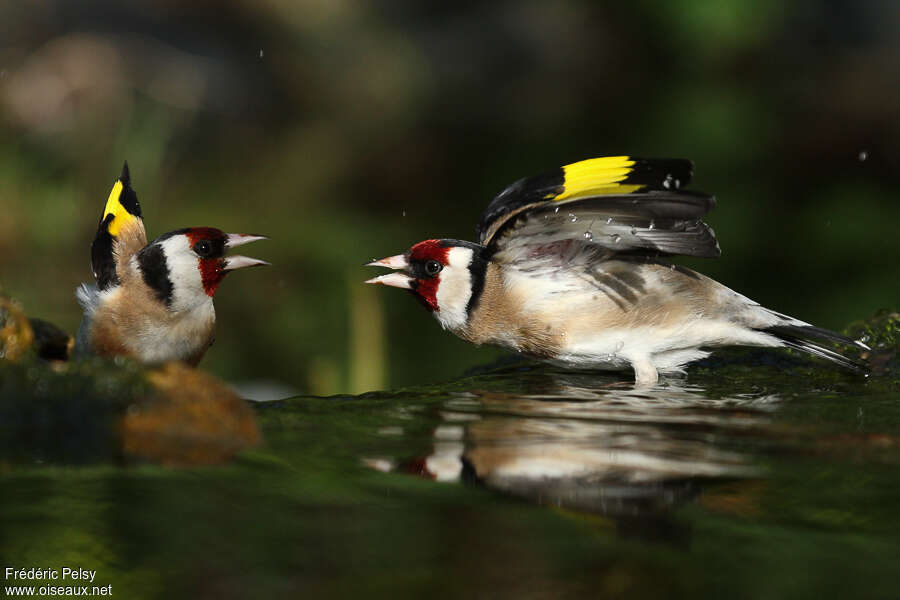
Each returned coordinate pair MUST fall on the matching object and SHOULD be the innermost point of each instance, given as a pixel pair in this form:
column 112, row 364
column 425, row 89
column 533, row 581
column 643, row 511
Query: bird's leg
column 645, row 373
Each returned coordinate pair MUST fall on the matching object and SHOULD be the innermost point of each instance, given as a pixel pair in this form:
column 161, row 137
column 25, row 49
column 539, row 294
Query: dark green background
column 348, row 131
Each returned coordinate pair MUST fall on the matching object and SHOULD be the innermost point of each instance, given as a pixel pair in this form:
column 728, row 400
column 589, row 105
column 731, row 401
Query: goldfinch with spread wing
column 153, row 302
column 571, row 267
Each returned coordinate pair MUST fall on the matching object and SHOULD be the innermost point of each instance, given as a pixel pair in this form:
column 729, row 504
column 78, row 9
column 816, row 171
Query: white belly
column 667, row 348
column 179, row 338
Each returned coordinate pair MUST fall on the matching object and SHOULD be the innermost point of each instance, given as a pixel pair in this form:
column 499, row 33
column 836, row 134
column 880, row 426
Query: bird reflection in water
column 581, row 442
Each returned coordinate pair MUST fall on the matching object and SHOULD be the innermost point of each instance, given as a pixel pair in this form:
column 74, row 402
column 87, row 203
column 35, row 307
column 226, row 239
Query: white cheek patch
column 455, row 289
column 184, row 273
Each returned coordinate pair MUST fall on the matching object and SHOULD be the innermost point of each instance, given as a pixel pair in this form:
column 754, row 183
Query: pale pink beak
column 241, row 262
column 400, row 280
column 392, row 262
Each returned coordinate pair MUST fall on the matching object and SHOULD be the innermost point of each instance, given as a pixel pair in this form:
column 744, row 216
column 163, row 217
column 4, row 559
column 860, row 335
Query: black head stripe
column 169, row 234
column 449, row 242
column 155, row 272
column 478, row 270
column 103, row 263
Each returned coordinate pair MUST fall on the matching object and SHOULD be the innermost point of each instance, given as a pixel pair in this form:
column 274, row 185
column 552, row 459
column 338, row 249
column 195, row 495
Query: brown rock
column 192, row 419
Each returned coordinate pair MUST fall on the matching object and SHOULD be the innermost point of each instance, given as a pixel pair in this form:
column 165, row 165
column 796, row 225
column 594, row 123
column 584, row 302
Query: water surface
column 749, row 478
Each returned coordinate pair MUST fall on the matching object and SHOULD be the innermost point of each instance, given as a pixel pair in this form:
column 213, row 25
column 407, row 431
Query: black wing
column 121, row 213
column 622, row 205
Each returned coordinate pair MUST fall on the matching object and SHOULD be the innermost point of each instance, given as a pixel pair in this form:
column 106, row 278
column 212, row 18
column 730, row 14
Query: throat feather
column 212, row 274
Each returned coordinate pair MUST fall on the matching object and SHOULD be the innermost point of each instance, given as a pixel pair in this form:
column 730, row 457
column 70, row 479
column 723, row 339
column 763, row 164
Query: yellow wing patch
column 596, row 176
column 114, row 207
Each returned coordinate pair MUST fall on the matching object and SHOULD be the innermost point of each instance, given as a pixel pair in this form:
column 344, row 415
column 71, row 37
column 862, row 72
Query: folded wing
column 120, row 233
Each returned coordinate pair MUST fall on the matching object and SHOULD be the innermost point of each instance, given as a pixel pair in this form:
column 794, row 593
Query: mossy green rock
column 882, row 334
column 117, row 411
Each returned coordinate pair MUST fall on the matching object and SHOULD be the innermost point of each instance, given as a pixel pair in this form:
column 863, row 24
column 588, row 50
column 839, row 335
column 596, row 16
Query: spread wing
column 601, row 207
column 120, row 233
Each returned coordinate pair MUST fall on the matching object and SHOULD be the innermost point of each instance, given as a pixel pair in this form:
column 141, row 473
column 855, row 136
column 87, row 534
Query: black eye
column 433, row 267
column 203, row 248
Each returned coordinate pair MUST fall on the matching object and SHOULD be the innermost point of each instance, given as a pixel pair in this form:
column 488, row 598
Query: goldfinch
column 572, row 267
column 153, row 302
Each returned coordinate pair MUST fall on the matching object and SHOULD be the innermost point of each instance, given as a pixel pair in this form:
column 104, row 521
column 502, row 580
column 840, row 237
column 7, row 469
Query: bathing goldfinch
column 572, row 267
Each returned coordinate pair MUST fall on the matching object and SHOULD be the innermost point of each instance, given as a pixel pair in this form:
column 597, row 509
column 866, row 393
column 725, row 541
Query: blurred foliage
column 347, row 131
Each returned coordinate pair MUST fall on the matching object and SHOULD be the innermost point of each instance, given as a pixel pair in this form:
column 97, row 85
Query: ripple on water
column 592, row 443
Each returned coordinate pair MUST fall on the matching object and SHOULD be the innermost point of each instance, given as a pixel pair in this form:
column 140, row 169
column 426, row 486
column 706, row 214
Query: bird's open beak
column 391, row 262
column 233, row 240
column 241, row 262
column 400, row 280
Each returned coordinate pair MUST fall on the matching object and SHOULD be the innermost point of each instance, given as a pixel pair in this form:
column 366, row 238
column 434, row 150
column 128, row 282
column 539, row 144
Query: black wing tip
column 129, row 197
column 809, row 339
column 103, row 263
column 661, row 173
column 820, row 333
column 125, row 177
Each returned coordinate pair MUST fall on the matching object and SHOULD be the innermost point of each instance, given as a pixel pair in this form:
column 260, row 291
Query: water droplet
column 261, row 53
column 667, row 182
column 556, row 210
column 615, row 238
column 863, row 155
column 609, row 220
column 588, row 236
column 572, row 217
column 677, row 183
column 652, row 225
